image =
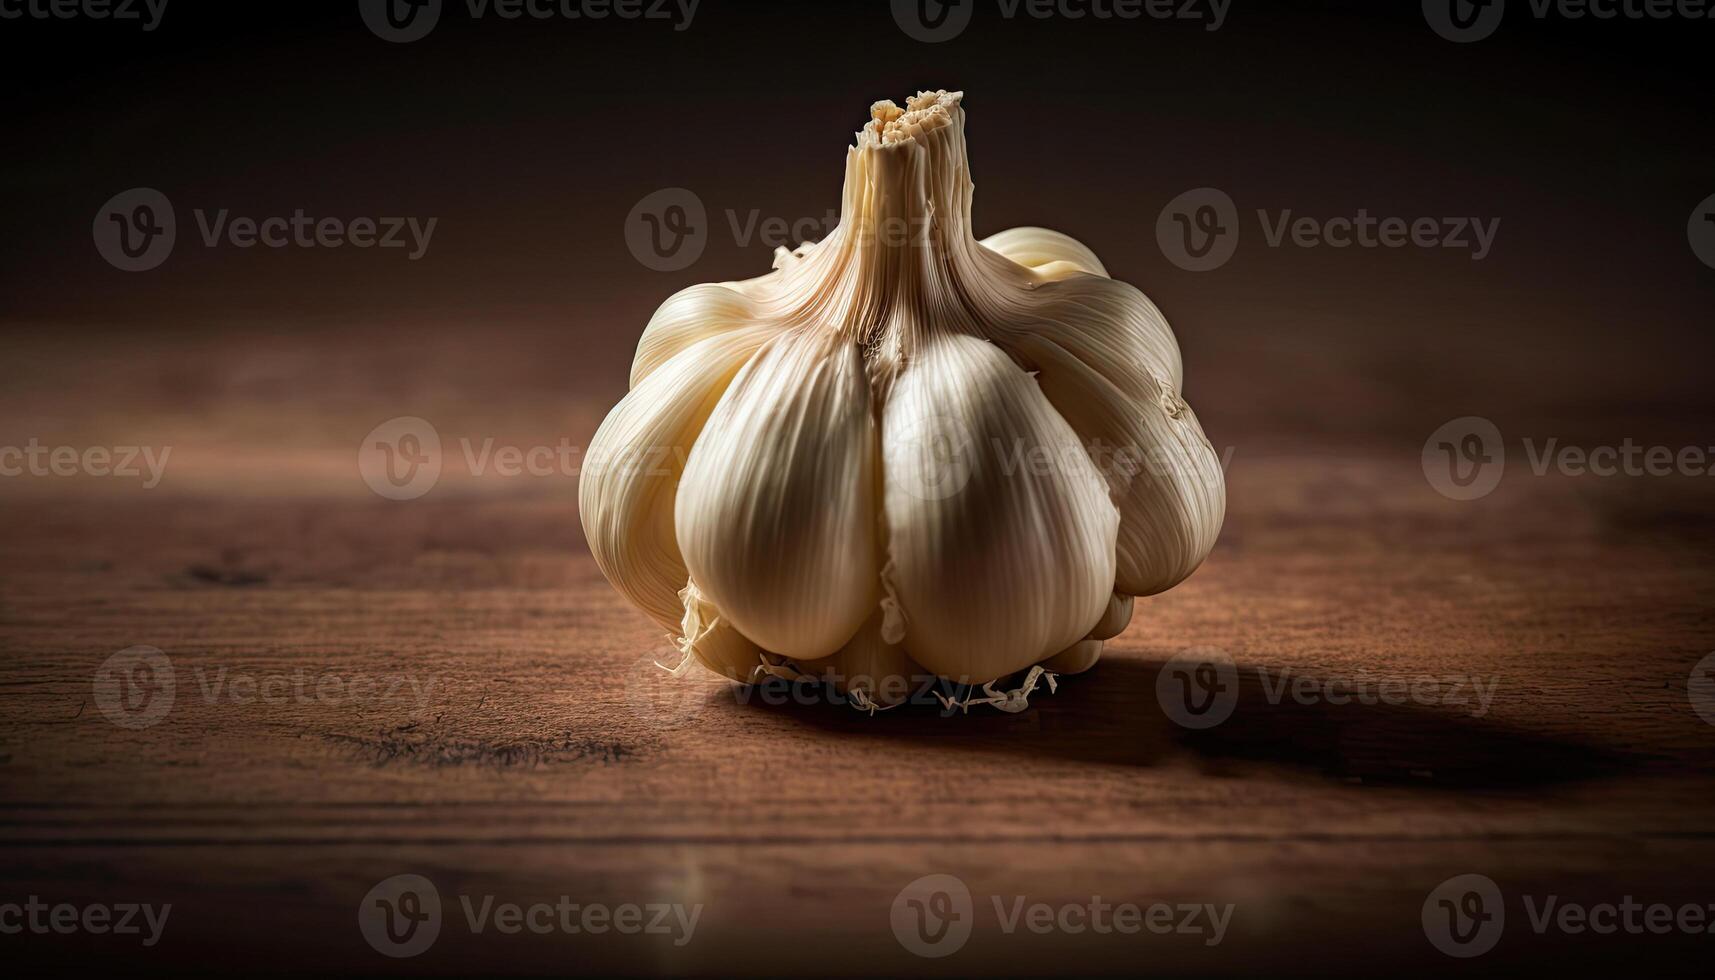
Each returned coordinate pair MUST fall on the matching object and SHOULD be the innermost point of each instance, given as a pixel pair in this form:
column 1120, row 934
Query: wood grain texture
column 509, row 736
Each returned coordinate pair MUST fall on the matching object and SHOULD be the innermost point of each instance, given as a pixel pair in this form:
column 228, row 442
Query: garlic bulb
column 905, row 451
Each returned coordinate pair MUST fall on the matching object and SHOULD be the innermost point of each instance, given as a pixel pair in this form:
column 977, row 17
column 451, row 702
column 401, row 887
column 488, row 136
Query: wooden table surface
column 447, row 687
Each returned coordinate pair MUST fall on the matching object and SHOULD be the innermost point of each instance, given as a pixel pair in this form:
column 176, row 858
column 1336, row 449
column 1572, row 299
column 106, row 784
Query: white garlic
column 904, row 451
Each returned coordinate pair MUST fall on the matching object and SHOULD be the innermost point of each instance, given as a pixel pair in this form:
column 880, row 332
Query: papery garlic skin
column 904, row 450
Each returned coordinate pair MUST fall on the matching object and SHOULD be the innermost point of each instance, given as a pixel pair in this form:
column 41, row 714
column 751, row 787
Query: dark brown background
column 535, row 774
column 532, row 140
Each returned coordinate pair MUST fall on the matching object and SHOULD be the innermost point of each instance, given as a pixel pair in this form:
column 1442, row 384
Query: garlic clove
column 1075, row 659
column 1109, row 325
column 694, row 314
column 1116, row 619
column 776, row 512
column 713, row 642
column 882, row 671
column 632, row 466
column 1050, row 254
column 1000, row 530
column 1164, row 475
